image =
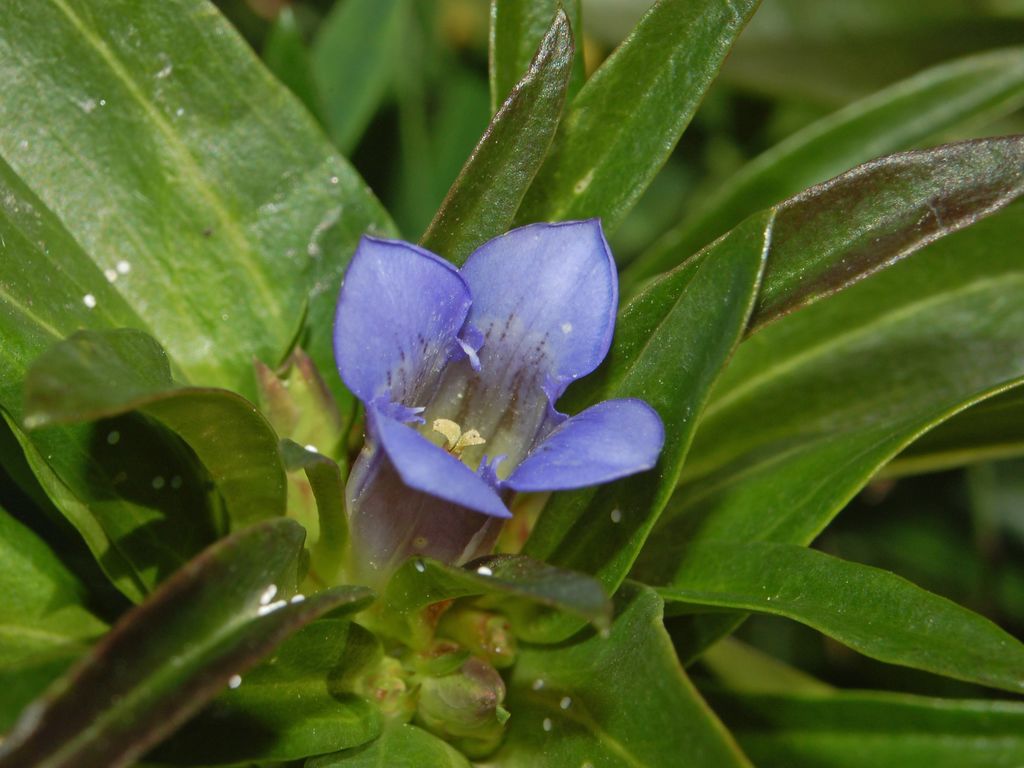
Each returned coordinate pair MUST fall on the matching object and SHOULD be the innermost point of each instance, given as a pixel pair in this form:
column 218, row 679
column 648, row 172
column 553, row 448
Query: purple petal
column 398, row 314
column 605, row 442
column 390, row 522
column 429, row 468
column 544, row 296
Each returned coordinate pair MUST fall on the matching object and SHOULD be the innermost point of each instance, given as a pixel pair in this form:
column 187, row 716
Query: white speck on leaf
column 268, row 594
column 234, row 681
column 89, row 300
column 483, row 570
column 124, row 267
column 547, row 725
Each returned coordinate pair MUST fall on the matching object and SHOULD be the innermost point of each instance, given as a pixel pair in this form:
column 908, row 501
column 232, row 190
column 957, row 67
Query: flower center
column 455, row 440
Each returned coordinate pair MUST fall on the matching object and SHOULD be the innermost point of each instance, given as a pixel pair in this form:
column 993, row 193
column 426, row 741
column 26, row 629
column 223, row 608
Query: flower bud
column 465, row 707
column 386, row 687
column 487, row 635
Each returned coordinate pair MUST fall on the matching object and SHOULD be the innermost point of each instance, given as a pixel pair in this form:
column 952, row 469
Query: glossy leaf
column 992, row 429
column 137, row 533
column 833, row 392
column 484, row 198
column 324, row 481
column 851, row 730
column 868, row 609
column 100, row 374
column 517, row 29
column 247, row 244
column 670, row 345
column 168, row 657
column 517, row 584
column 627, row 118
column 352, row 60
column 843, row 230
column 293, row 705
column 44, row 624
column 923, row 106
column 400, row 746
column 615, row 701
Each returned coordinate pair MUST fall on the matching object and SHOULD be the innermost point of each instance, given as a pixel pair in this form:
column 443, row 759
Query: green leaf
column 327, row 555
column 870, row 610
column 615, row 701
column 49, row 290
column 517, row 29
column 244, row 242
column 839, row 232
column 484, row 198
column 352, row 58
column 851, row 730
column 925, row 105
column 743, row 668
column 291, row 706
column 400, row 746
column 44, row 625
column 517, row 584
column 670, row 345
column 99, row 374
column 286, row 55
column 169, row 656
column 992, row 429
column 812, row 406
column 102, row 478
column 623, row 124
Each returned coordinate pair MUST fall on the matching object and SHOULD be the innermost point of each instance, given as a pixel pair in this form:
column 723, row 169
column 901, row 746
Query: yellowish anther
column 456, row 441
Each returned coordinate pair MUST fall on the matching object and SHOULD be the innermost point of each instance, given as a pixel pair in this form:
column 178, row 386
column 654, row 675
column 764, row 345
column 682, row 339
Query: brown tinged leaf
column 203, row 628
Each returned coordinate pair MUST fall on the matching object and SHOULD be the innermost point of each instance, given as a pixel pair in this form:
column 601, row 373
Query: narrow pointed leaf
column 400, row 746
column 484, row 198
column 44, row 624
column 867, row 219
column 939, row 99
column 883, row 730
column 517, row 28
column 870, row 610
column 169, row 656
column 619, row 701
column 100, row 374
column 245, row 243
column 627, row 118
column 670, row 345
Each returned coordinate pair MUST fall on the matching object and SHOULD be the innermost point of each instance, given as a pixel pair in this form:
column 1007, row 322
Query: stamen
column 456, row 441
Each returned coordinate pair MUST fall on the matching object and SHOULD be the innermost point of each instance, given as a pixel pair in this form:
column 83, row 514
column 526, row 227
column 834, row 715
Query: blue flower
column 459, row 372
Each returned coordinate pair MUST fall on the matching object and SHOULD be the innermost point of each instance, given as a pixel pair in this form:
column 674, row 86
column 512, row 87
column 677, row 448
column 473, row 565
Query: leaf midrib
column 187, row 167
